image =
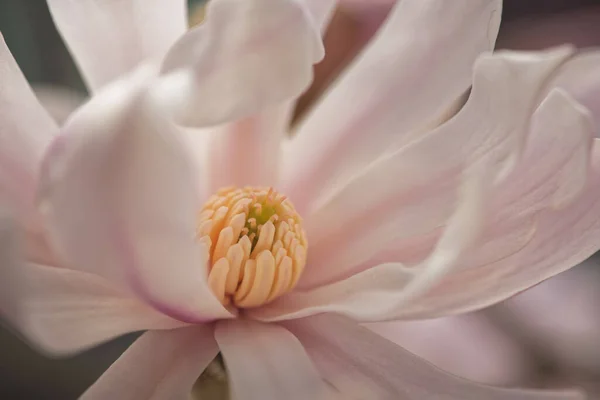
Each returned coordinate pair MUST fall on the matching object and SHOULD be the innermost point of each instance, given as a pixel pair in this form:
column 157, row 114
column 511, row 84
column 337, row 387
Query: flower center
column 257, row 245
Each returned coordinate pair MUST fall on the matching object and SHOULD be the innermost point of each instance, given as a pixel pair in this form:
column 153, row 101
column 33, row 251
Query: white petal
column 159, row 365
column 416, row 67
column 410, row 193
column 245, row 57
column 580, row 77
column 383, row 291
column 121, row 197
column 265, row 361
column 63, row 311
column 469, row 346
column 247, row 151
column 549, row 228
column 26, row 129
column 527, row 239
column 361, row 364
column 109, row 38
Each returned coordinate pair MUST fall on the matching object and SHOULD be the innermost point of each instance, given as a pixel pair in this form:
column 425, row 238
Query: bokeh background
column 546, row 337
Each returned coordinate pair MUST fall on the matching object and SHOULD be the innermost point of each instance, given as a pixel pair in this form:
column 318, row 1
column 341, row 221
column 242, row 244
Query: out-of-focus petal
column 265, row 361
column 245, row 57
column 580, row 77
column 61, row 310
column 59, row 101
column 159, row 365
column 26, row 129
column 561, row 316
column 468, row 346
column 255, row 140
column 410, row 193
column 120, row 195
column 415, row 68
column 359, row 363
column 109, row 38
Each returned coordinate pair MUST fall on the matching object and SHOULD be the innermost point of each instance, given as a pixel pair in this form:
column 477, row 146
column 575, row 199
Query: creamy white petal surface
column 407, row 194
column 110, row 38
column 120, row 174
column 400, row 83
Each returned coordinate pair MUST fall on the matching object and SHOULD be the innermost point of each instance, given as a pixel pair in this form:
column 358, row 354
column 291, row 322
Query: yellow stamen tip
column 257, row 245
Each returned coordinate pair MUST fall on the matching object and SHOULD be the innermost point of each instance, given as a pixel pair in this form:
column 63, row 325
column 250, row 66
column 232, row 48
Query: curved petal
column 255, row 140
column 410, row 193
column 382, row 291
column 580, row 77
column 469, row 346
column 359, row 363
column 26, row 129
column 527, row 239
column 398, row 85
column 265, row 361
column 159, row 365
column 109, row 38
column 64, row 311
column 241, row 60
column 121, row 197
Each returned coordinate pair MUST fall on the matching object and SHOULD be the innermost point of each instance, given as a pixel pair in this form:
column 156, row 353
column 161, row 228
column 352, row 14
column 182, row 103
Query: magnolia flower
column 226, row 237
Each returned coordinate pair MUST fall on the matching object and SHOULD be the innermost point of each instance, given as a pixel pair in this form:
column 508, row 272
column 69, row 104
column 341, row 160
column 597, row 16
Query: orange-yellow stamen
column 257, row 245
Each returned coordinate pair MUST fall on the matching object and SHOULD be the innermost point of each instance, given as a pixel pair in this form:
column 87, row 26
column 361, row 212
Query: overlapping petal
column 528, row 237
column 26, row 129
column 246, row 56
column 110, row 38
column 159, row 365
column 361, row 364
column 407, row 195
column 580, row 77
column 265, row 361
column 415, row 69
column 60, row 310
column 121, row 195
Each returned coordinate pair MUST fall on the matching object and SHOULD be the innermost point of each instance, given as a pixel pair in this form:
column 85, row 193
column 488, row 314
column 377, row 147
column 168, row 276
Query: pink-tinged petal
column 265, row 361
column 409, row 194
column 109, row 38
column 535, row 229
column 255, row 140
column 61, row 310
column 121, row 197
column 561, row 316
column 159, row 365
column 468, row 346
column 360, row 363
column 244, row 58
column 411, row 73
column 381, row 292
column 580, row 77
column 26, row 129
column 555, row 230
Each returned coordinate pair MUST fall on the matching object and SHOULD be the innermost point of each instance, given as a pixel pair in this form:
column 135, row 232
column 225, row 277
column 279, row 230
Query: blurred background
column 546, row 337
